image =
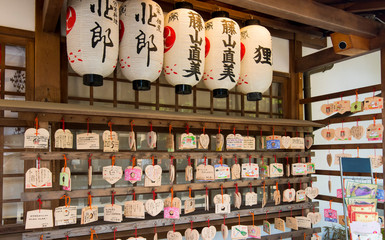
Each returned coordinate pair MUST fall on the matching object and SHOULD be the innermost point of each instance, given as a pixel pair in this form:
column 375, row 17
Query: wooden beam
column 363, row 6
column 310, row 36
column 347, row 146
column 383, row 95
column 314, row 14
column 51, row 14
column 346, row 93
column 90, row 111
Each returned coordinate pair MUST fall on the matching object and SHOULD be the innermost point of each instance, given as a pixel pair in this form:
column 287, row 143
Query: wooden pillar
column 294, row 111
column 383, row 95
column 47, row 60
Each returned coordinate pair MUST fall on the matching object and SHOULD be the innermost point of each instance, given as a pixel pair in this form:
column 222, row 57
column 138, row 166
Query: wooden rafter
column 364, row 6
column 51, row 14
column 314, row 14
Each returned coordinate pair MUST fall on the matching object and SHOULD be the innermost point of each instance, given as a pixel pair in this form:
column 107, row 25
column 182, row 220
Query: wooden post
column 383, row 95
column 295, row 83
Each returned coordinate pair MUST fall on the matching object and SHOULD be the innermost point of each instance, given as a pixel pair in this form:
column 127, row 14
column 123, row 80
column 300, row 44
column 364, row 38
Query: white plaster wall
column 280, row 49
column 351, row 74
column 18, row 14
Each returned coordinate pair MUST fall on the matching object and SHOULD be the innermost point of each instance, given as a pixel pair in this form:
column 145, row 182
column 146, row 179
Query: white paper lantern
column 184, row 41
column 223, row 44
column 256, row 63
column 92, row 28
column 141, row 45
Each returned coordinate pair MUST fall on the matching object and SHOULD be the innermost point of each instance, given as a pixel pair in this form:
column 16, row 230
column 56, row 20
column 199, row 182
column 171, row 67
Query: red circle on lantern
column 207, row 46
column 243, row 51
column 169, row 38
column 71, row 19
column 121, row 30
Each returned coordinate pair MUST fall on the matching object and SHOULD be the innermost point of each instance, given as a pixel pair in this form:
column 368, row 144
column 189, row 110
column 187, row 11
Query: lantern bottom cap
column 183, row 89
column 254, row 96
column 93, row 80
column 141, row 85
column 220, row 93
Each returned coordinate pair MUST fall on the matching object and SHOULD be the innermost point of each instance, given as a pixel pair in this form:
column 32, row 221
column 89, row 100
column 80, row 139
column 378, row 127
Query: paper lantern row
column 182, row 46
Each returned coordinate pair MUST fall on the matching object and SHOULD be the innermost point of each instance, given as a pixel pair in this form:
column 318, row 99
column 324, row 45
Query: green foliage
column 334, row 233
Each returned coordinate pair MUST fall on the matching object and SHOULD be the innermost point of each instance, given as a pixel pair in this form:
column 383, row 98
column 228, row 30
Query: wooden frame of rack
column 76, row 116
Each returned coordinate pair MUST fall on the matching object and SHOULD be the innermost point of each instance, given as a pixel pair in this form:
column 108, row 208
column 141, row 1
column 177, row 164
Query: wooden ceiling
column 308, row 21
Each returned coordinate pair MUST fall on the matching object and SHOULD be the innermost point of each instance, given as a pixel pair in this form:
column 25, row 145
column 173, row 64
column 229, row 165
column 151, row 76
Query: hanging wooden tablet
column 289, row 195
column 208, row 233
column 279, row 224
column 234, row 142
column 316, row 237
column 170, row 144
column 264, row 171
column 239, row 232
column 65, row 215
column 204, row 141
column 87, row 141
column 374, row 132
column 248, row 143
column 291, row 223
column 373, row 103
column 277, row 195
column 311, row 192
column 110, row 141
column 264, row 195
column 176, row 202
column 315, row 217
column 133, row 173
column 153, row 172
column 251, row 199
column 188, row 141
column 300, row 196
column 276, row 170
column 38, row 178
column 65, row 176
column 342, row 106
column 237, row 200
column 328, row 133
column 89, row 215
column 207, row 200
column 303, row 222
column 329, row 159
column 205, row 172
column 222, row 203
column 327, row 109
column 36, row 138
column 266, row 227
column 235, row 171
column 151, row 138
column 154, row 207
column 219, row 142
column 222, row 171
column 310, row 168
column 357, row 132
column 356, row 107
column 250, row 170
column 42, row 218
column 113, row 173
column 189, row 204
column 343, row 134
column 113, row 213
column 134, row 209
column 330, row 215
column 171, row 235
column 188, row 173
column 330, row 185
column 132, row 141
column 191, row 234
column 224, row 231
column 63, row 138
column 172, row 172
column 308, row 141
column 299, row 169
column 376, row 161
column 273, row 142
column 297, row 143
column 285, row 142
